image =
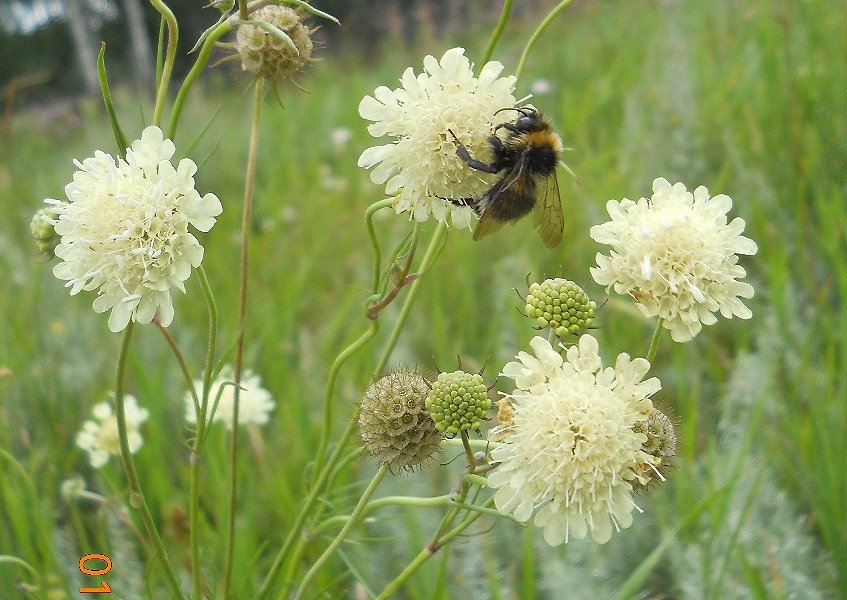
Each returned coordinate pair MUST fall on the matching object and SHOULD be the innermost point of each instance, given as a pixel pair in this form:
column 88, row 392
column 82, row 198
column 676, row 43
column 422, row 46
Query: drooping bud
column 278, row 50
column 43, row 232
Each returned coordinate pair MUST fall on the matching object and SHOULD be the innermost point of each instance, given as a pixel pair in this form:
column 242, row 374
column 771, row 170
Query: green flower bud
column 395, row 426
column 458, row 401
column 41, row 228
column 268, row 55
column 560, row 305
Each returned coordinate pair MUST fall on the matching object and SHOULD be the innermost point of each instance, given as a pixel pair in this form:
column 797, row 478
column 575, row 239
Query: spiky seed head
column 396, row 428
column 265, row 54
column 660, row 449
column 561, row 305
column 458, row 401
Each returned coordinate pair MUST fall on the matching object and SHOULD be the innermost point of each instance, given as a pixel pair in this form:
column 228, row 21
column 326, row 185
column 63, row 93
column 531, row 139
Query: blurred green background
column 747, row 98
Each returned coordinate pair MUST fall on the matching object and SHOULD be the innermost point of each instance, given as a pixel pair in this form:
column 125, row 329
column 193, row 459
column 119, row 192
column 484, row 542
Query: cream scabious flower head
column 124, row 230
column 569, row 444
column 254, row 402
column 677, row 256
column 420, row 167
column 100, row 438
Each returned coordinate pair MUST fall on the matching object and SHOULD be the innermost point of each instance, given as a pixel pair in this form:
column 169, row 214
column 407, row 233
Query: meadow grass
column 745, row 98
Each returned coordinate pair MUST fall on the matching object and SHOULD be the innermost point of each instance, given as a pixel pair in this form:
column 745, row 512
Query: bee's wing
column 548, row 216
column 512, row 184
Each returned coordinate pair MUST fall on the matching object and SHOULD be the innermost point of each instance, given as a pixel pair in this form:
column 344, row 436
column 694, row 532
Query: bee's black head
column 529, row 119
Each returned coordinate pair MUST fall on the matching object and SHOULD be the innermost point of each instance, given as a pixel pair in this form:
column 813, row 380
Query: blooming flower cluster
column 254, row 402
column 420, row 167
column 100, row 438
column 569, row 445
column 677, row 256
column 124, row 230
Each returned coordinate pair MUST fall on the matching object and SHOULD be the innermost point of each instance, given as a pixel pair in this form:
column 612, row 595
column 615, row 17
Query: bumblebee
column 527, row 159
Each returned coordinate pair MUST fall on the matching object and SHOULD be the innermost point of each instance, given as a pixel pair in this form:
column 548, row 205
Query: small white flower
column 677, row 256
column 124, row 231
column 420, row 167
column 254, row 402
column 568, row 445
column 100, row 438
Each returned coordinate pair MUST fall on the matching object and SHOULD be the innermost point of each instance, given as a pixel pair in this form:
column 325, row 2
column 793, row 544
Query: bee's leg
column 472, row 202
column 508, row 127
column 473, row 163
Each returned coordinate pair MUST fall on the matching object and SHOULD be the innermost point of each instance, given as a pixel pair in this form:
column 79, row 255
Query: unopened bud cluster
column 265, row 54
column 660, row 447
column 395, row 426
column 458, row 401
column 43, row 232
column 560, row 305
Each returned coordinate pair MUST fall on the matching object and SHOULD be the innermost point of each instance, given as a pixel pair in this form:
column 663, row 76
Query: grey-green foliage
column 763, row 538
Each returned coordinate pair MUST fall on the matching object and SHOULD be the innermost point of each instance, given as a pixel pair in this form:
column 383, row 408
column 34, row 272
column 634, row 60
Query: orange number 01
column 104, row 589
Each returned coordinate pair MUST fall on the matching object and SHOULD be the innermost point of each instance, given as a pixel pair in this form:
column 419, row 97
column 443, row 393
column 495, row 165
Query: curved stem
column 137, row 499
column 495, row 35
column 355, row 517
column 429, row 257
column 429, row 551
column 654, row 341
column 183, row 366
column 537, row 33
column 249, row 185
column 324, row 475
column 369, row 221
column 332, row 379
column 190, row 79
column 170, row 56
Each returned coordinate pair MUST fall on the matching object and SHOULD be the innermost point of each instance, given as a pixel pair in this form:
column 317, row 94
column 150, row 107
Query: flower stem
column 249, row 184
column 654, row 341
column 183, row 366
column 495, row 35
column 355, row 517
column 136, row 496
column 429, row 551
column 170, row 56
column 200, row 434
column 324, row 475
column 537, row 33
column 190, row 79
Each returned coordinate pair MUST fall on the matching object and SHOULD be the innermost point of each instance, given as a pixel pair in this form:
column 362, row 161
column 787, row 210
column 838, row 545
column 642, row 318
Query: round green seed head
column 561, row 305
column 458, row 401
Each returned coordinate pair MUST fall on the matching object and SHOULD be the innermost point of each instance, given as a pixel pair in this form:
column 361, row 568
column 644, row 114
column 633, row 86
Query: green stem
column 537, row 33
column 200, row 437
column 355, row 517
column 183, row 366
column 426, row 263
column 137, row 499
column 170, row 56
column 495, row 35
column 654, row 341
column 427, row 553
column 380, row 503
column 369, row 221
column 324, row 475
column 249, row 186
column 332, row 379
column 468, row 450
column 190, row 79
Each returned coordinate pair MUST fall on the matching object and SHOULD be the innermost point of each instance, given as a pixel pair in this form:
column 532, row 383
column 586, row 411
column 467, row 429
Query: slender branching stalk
column 249, row 185
column 137, row 499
